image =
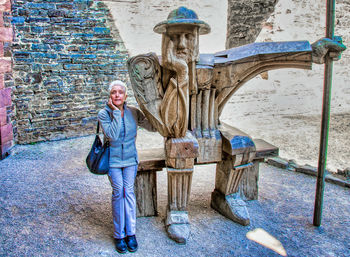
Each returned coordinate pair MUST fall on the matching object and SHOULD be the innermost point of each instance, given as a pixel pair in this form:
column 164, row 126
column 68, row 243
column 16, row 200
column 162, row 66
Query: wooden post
column 239, row 152
column 151, row 161
column 322, row 159
column 180, row 154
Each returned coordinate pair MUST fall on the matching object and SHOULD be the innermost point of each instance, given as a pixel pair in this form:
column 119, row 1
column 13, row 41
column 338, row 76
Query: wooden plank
column 210, row 150
column 151, row 159
column 235, row 141
column 264, row 149
column 154, row 159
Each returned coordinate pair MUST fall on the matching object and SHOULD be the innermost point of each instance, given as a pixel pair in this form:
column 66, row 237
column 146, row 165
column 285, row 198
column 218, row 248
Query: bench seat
column 153, row 160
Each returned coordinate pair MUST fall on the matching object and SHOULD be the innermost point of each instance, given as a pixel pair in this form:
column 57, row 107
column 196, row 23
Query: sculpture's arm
column 145, row 76
column 236, row 66
column 175, row 103
column 325, row 45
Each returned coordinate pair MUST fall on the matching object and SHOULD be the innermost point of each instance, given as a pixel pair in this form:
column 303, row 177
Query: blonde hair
column 117, row 83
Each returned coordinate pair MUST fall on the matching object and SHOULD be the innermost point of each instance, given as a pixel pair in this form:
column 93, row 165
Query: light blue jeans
column 123, row 200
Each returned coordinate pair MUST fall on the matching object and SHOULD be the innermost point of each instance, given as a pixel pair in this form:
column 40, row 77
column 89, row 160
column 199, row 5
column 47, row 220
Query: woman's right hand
column 111, row 105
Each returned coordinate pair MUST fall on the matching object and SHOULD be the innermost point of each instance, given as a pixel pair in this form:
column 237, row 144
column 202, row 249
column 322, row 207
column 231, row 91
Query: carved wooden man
column 184, row 97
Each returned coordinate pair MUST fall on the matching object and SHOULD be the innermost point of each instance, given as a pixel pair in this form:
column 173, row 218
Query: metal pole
column 327, row 86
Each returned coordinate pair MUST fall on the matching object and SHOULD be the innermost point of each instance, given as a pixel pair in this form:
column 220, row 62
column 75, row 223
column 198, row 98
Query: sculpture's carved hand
column 173, row 63
column 325, row 45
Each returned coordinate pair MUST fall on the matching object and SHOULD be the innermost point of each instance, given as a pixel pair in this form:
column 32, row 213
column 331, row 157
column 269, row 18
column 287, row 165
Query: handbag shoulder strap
column 98, row 123
column 98, row 127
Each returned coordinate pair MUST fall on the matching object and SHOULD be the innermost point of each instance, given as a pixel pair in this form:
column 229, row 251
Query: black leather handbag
column 98, row 157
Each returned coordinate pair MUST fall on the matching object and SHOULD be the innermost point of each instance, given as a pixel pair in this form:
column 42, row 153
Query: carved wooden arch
column 246, row 71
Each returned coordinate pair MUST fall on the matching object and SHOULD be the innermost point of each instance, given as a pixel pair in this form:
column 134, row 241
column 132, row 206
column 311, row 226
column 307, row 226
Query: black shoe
column 131, row 243
column 120, row 245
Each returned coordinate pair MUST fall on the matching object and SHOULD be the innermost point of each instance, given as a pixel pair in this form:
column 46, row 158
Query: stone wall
column 245, row 20
column 6, row 34
column 65, row 53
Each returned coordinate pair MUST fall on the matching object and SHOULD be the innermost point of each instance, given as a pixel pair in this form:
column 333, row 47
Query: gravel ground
column 50, row 205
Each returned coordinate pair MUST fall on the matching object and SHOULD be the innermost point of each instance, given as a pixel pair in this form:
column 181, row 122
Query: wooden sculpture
column 183, row 94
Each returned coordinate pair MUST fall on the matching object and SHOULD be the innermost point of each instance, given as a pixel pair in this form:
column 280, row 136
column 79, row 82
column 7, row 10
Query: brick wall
column 65, row 53
column 6, row 33
column 245, row 19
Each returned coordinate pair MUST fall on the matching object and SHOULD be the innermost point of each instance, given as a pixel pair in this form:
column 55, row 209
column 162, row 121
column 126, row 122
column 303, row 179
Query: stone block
column 278, row 162
column 5, row 97
column 72, row 66
column 345, row 173
column 2, row 84
column 65, row 6
column 5, row 6
column 337, row 181
column 7, row 49
column 18, row 20
column 3, row 116
column 102, row 30
column 56, row 13
column 5, row 149
column 177, row 217
column 37, row 29
column 37, row 20
column 5, row 65
column 307, row 169
column 6, row 34
column 6, row 133
column 40, row 6
column 248, row 18
column 177, row 226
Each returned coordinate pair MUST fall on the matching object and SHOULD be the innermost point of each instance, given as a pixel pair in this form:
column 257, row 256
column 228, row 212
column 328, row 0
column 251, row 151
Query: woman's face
column 118, row 95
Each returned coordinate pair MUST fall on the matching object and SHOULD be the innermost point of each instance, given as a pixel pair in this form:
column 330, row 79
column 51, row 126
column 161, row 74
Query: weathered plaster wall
column 135, row 20
column 286, row 109
column 65, row 53
column 245, row 20
column 6, row 33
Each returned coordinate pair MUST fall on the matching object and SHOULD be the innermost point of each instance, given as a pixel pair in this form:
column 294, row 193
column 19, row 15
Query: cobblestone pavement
column 50, row 205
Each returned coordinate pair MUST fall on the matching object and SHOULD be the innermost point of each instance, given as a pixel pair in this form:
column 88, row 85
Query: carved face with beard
column 184, row 41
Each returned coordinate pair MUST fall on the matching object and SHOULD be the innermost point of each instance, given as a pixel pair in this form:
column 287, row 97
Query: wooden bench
column 153, row 160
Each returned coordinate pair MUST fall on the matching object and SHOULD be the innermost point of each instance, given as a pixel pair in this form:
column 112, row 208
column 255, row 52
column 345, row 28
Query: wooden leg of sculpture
column 180, row 154
column 248, row 186
column 179, row 188
column 225, row 197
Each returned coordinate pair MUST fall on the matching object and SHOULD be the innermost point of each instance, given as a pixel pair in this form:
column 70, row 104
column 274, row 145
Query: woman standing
column 119, row 123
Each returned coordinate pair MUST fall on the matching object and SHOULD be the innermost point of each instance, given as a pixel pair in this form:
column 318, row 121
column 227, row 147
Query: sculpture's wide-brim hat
column 179, row 16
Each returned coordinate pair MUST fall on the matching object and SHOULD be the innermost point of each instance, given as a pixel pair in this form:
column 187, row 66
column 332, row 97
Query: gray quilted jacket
column 123, row 151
